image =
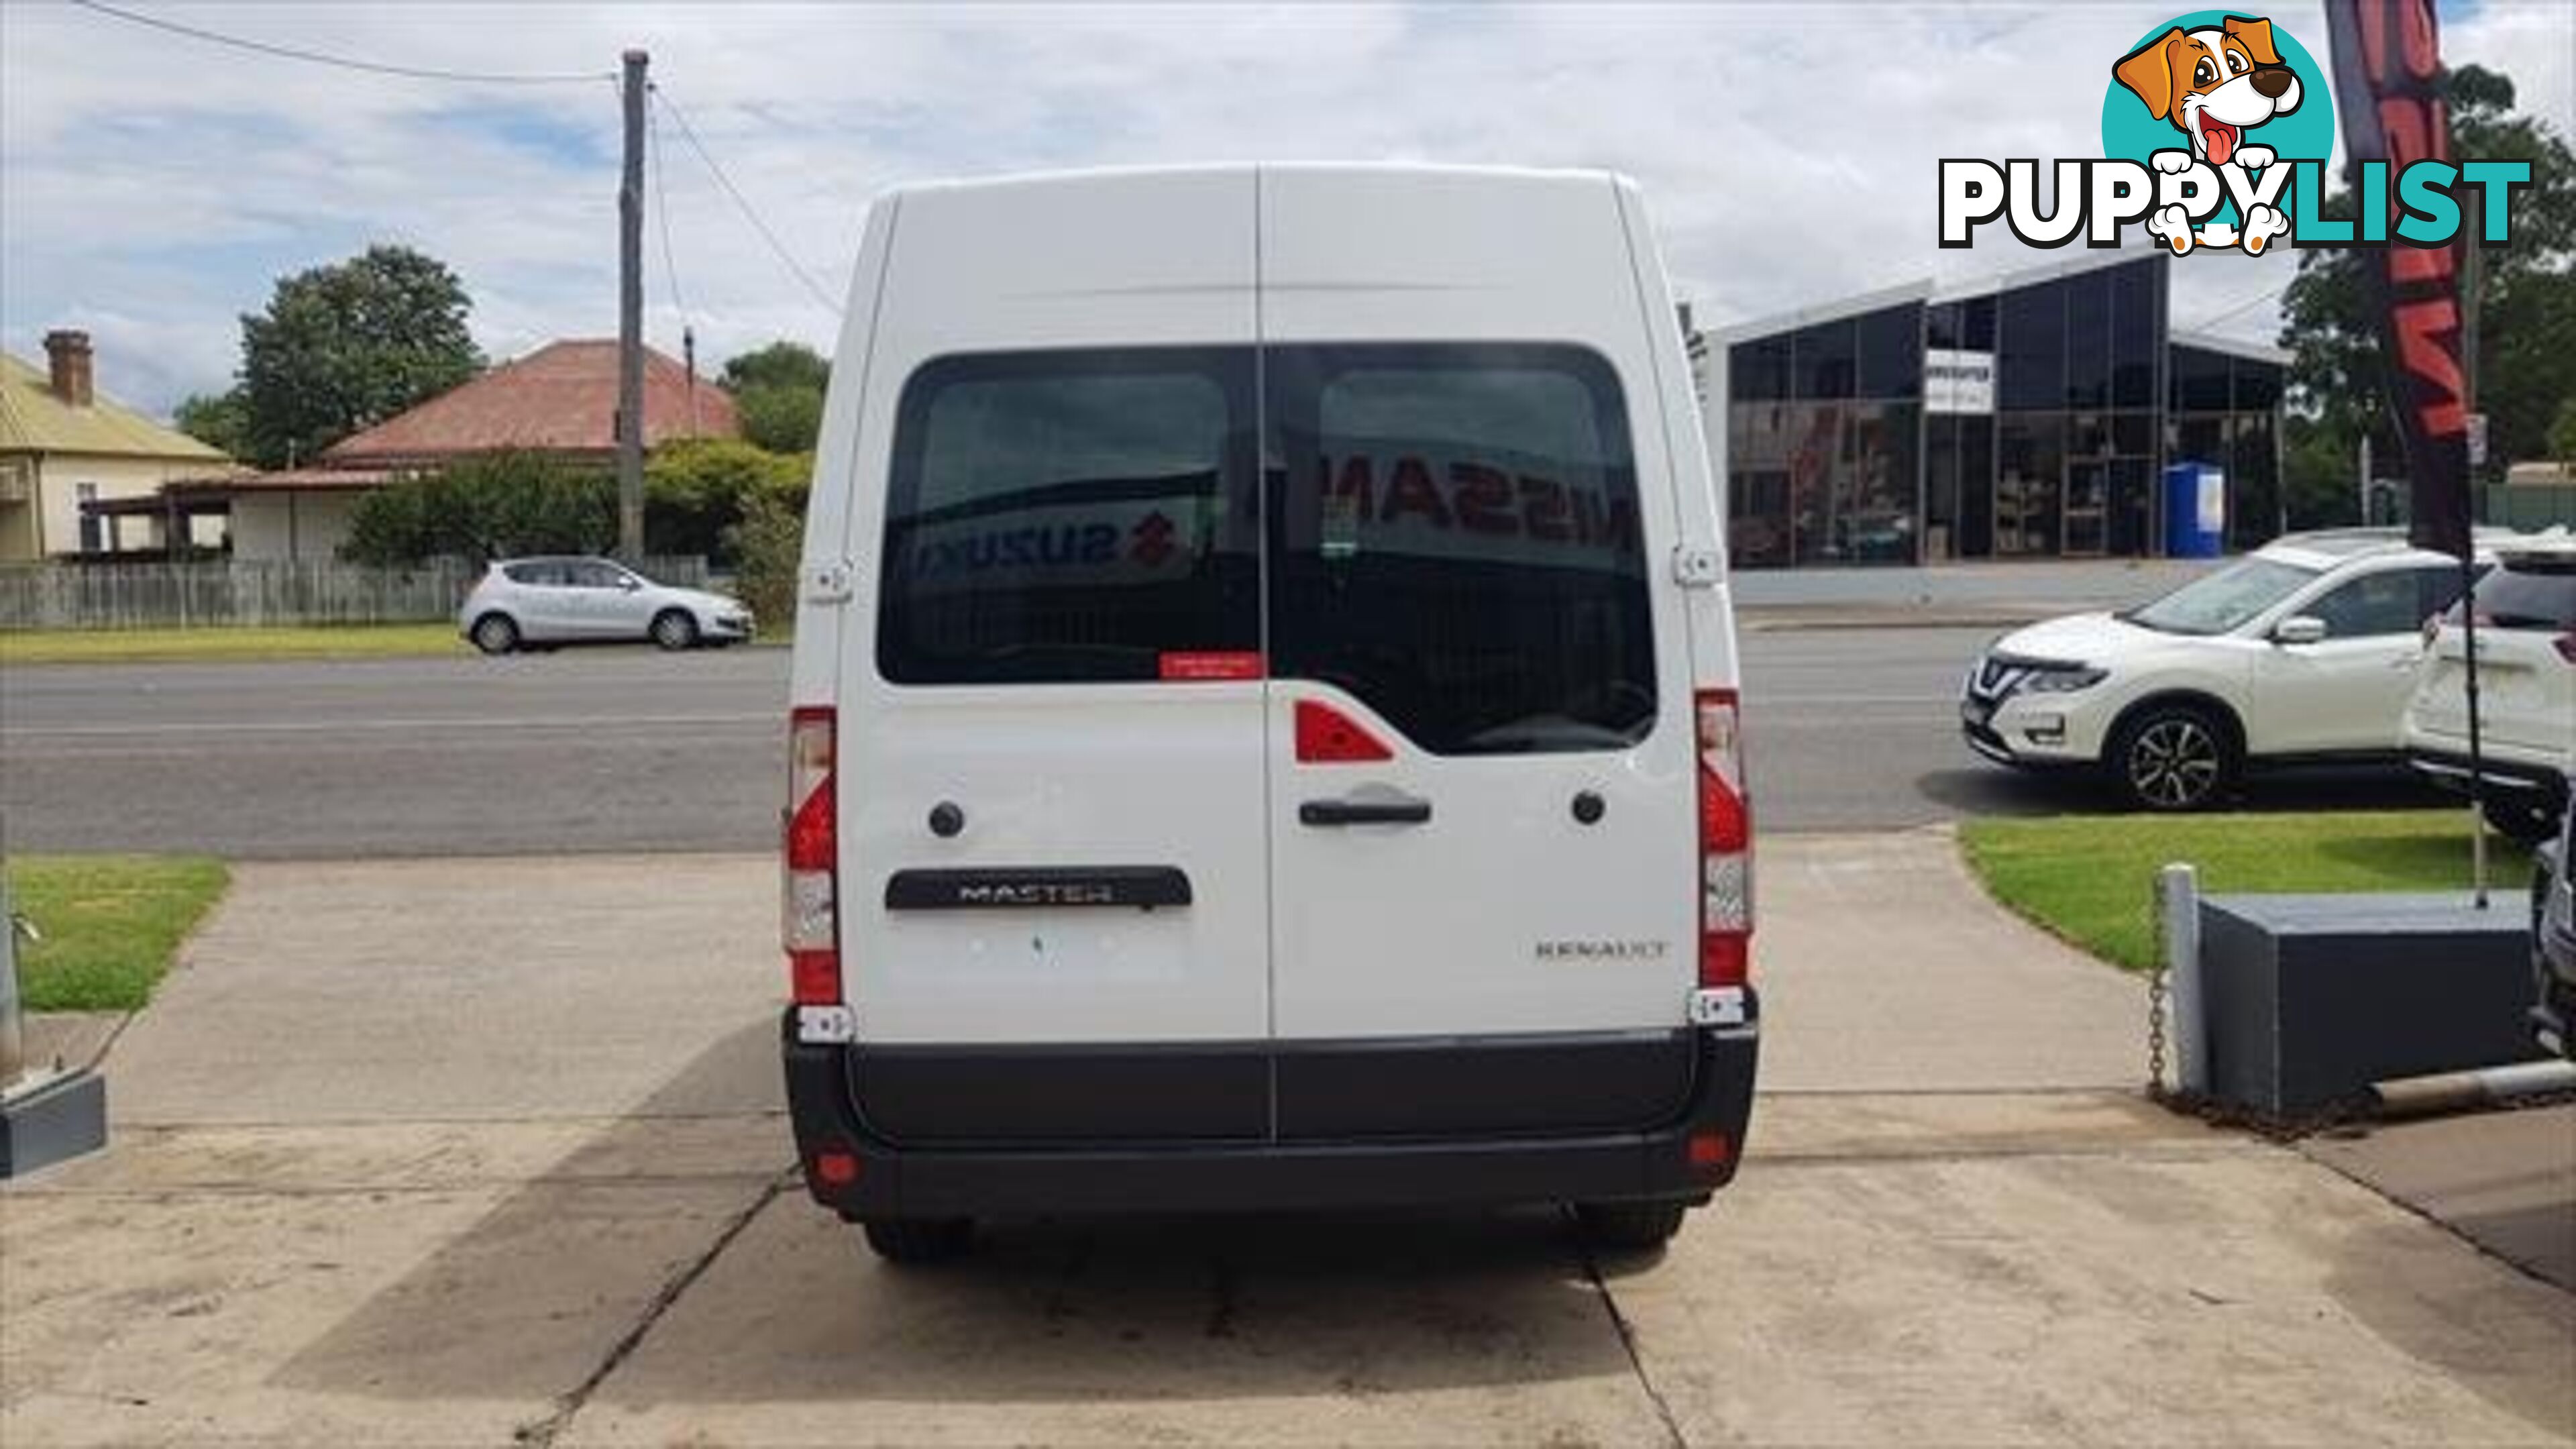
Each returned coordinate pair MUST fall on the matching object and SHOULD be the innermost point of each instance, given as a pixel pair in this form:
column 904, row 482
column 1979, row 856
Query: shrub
column 767, row 546
column 694, row 492
column 493, row 505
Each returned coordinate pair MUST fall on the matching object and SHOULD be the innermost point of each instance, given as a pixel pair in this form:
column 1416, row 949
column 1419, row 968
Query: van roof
column 1082, row 175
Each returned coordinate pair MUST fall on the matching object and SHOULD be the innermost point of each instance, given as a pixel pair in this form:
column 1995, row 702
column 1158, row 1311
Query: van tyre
column 2173, row 758
column 1629, row 1227
column 496, row 634
column 917, row 1242
column 673, row 629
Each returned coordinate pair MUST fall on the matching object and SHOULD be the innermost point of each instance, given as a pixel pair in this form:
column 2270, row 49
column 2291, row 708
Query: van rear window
column 1458, row 542
column 1070, row 516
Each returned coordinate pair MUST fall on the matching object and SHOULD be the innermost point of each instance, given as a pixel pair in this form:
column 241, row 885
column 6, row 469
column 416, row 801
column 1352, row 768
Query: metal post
column 630, row 320
column 2365, row 475
column 13, row 1039
column 2178, row 891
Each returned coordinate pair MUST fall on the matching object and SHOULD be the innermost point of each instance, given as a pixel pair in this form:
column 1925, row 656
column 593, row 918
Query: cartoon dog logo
column 2214, row 85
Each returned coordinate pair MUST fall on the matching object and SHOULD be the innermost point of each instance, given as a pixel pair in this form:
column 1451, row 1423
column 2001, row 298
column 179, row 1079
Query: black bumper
column 2525, row 782
column 1384, row 1165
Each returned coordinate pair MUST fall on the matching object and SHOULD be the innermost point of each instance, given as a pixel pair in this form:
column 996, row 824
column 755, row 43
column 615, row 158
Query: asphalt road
column 635, row 750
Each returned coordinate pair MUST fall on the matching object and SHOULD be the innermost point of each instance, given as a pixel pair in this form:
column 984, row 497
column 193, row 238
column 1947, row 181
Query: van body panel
column 1050, row 775
column 1504, row 912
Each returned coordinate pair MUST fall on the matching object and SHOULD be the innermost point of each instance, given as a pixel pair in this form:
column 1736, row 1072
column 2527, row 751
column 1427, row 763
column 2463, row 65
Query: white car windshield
column 2218, row 602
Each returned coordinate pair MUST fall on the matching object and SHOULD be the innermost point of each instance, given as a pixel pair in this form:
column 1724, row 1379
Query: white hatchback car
column 2303, row 651
column 543, row 602
column 2526, row 614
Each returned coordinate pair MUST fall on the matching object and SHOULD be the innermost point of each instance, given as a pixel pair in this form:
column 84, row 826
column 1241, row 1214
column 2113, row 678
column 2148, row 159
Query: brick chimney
column 69, row 353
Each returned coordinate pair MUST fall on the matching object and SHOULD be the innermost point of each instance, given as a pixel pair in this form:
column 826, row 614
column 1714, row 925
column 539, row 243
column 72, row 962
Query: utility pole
column 630, row 319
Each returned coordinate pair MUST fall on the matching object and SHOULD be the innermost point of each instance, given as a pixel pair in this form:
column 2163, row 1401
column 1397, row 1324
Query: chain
column 2156, row 998
column 2156, row 1033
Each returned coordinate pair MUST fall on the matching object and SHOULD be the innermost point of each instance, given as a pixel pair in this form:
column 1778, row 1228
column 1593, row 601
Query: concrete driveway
column 489, row 1152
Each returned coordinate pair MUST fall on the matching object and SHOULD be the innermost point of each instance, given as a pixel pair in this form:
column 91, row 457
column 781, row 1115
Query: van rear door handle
column 1390, row 810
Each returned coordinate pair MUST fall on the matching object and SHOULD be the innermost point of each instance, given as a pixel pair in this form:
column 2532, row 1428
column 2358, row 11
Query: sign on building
column 1958, row 382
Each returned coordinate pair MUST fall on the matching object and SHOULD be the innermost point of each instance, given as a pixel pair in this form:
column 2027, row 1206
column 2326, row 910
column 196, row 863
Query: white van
column 1264, row 722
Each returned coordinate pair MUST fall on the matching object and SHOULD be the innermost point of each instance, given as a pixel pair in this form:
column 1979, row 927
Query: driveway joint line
column 543, row 1433
column 1627, row 1333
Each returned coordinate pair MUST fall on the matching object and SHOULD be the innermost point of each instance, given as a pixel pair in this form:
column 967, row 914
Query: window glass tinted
column 1069, row 516
column 2527, row 594
column 2217, row 602
column 2397, row 602
column 596, row 575
column 1457, row 543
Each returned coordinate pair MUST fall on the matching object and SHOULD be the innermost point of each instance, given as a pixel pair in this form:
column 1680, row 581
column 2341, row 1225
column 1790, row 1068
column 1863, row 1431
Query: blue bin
column 2195, row 510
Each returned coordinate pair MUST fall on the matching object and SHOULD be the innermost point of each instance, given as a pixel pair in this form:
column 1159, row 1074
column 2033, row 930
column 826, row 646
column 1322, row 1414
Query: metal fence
column 2529, row 506
column 242, row 595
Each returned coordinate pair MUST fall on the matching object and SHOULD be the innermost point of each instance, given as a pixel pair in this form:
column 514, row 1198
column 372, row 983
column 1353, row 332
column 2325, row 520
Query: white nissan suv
column 2303, row 651
column 2526, row 618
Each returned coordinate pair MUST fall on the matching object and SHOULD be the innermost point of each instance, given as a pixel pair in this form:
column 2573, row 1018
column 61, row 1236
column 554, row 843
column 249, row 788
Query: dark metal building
column 2027, row 416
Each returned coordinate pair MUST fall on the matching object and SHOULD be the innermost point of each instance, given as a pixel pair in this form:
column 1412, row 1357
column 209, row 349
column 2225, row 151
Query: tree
column 344, row 347
column 781, row 417
column 2526, row 361
column 696, row 491
column 2562, row 435
column 221, row 419
column 778, row 395
column 494, row 505
column 789, row 364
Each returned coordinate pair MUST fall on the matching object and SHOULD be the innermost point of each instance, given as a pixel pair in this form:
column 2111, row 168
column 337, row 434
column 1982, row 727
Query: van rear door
column 1481, row 761
column 1052, row 801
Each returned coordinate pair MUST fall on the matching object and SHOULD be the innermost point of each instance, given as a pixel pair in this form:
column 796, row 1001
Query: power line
column 662, row 213
column 2266, row 295
column 689, row 134
column 316, row 57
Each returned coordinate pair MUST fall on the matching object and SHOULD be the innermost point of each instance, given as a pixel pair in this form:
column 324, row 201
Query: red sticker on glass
column 1212, row 664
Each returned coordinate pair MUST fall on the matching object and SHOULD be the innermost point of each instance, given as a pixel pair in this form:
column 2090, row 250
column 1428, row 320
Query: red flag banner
column 2387, row 69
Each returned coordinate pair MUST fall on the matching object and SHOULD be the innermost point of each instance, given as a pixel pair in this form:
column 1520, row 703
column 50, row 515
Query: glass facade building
column 2029, row 418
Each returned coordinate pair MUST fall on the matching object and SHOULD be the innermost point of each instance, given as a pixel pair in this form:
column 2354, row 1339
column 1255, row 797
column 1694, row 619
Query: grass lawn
column 2090, row 879
column 120, row 646
column 111, row 924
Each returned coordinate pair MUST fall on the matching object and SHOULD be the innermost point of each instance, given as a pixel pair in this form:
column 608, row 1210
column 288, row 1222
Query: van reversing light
column 1725, row 843
column 810, row 921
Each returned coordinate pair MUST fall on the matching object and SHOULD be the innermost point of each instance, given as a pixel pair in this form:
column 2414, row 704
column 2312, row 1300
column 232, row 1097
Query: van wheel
column 2528, row 822
column 674, row 629
column 2173, row 757
column 1629, row 1227
column 496, row 634
column 913, row 1242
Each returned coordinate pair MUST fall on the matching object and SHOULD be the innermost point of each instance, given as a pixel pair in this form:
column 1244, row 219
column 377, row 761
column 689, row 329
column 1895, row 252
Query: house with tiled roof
column 68, row 453
column 561, row 399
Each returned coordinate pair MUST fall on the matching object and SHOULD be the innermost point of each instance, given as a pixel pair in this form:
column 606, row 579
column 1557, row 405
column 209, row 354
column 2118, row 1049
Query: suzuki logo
column 1152, row 537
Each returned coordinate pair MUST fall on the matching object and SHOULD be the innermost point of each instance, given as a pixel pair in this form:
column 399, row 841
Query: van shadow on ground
column 535, row 1295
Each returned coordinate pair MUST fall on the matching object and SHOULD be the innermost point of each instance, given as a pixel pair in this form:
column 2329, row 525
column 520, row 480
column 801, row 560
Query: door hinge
column 1698, row 568
column 828, row 583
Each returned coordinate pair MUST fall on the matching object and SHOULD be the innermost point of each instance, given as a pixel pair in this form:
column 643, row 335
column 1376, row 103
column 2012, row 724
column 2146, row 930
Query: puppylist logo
column 2216, row 132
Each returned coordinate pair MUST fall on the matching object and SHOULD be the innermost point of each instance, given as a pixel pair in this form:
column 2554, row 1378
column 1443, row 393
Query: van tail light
column 810, row 922
column 2566, row 646
column 1725, row 843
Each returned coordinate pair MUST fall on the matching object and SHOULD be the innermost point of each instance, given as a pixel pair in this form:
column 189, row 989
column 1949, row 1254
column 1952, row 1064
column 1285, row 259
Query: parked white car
column 2526, row 617
column 2303, row 651
column 542, row 602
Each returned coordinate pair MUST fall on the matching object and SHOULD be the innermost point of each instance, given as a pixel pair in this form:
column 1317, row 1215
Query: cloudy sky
column 152, row 186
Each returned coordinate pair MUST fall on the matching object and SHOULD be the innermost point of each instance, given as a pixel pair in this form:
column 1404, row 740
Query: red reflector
column 812, row 831
column 1326, row 736
column 1710, row 1149
column 840, row 1169
column 1725, row 959
column 816, row 977
column 1187, row 665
